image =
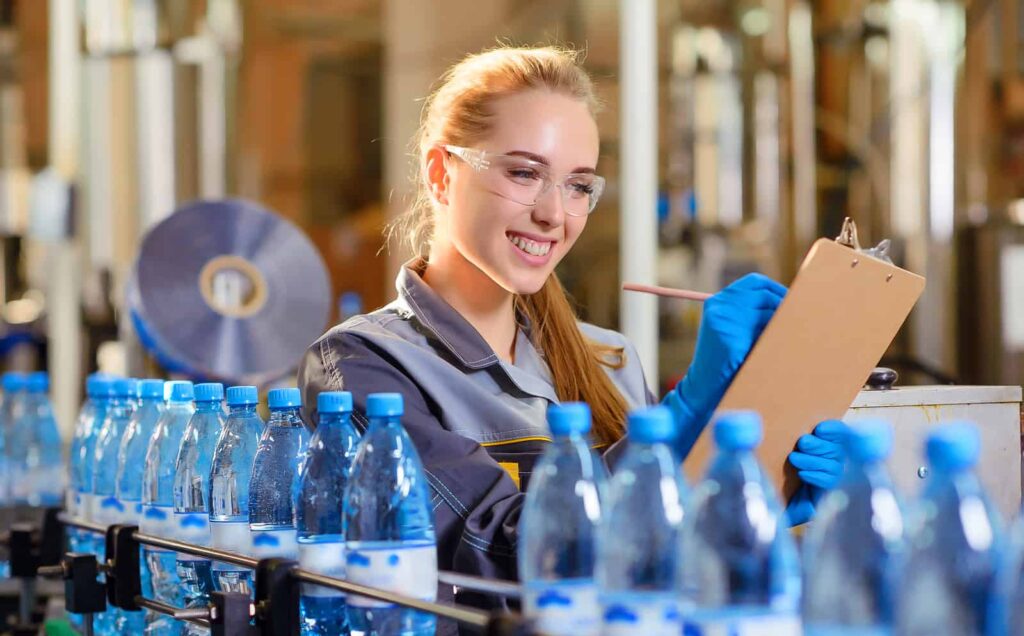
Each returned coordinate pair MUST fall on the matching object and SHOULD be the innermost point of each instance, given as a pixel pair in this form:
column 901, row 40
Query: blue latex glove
column 819, row 459
column 733, row 320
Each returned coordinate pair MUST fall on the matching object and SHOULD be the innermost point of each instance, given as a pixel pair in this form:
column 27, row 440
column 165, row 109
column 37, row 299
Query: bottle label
column 132, row 512
column 71, row 499
column 723, row 624
column 230, row 536
column 84, row 506
column 407, row 570
column 323, row 558
column 52, row 483
column 194, row 528
column 647, row 614
column 564, row 608
column 107, row 510
column 159, row 522
column 274, row 543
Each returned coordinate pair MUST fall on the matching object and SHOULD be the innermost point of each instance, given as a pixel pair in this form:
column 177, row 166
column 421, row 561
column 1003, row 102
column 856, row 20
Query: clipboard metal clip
column 848, row 237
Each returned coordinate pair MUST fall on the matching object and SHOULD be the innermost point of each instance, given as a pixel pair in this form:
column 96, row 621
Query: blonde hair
column 458, row 113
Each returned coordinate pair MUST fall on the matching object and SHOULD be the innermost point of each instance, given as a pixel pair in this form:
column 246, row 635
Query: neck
column 482, row 302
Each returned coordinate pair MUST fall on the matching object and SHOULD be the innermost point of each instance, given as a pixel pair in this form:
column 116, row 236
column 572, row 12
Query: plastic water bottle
column 12, row 384
column 739, row 566
column 955, row 543
column 106, row 508
column 131, row 456
column 558, row 528
column 158, row 490
column 229, row 486
column 131, row 453
column 639, row 532
column 318, row 512
column 80, row 463
column 6, row 437
column 853, row 550
column 18, row 435
column 1007, row 611
column 43, row 476
column 389, row 524
column 275, row 477
column 192, row 492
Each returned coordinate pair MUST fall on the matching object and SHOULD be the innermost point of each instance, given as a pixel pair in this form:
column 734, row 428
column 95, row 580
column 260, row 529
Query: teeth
column 528, row 246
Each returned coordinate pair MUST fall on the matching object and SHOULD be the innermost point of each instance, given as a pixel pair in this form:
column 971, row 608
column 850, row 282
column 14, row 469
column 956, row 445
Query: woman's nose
column 549, row 209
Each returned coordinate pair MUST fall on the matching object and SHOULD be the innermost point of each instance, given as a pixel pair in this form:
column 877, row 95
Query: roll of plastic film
column 228, row 290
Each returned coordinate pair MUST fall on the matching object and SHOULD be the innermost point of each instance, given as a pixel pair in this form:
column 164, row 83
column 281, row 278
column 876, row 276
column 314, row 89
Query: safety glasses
column 525, row 181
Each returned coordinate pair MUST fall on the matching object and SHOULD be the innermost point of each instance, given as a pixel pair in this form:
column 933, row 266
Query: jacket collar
column 447, row 324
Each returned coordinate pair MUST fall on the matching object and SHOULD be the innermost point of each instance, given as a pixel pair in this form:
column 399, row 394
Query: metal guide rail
column 90, row 586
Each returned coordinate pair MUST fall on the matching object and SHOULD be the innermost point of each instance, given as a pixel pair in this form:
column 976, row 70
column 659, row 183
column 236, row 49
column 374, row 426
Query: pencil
column 685, row 294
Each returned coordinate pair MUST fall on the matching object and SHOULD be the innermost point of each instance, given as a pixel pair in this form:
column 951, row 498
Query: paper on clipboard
column 840, row 315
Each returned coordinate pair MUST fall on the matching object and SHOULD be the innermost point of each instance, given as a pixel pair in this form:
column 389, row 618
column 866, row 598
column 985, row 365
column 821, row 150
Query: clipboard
column 841, row 313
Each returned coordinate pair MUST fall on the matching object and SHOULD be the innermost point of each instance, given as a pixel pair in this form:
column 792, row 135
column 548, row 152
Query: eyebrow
column 543, row 160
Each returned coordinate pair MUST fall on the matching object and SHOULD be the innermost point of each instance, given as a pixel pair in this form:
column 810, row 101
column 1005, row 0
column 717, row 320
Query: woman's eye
column 523, row 173
column 581, row 189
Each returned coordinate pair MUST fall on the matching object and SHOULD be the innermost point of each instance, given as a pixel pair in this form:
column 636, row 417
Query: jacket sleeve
column 476, row 504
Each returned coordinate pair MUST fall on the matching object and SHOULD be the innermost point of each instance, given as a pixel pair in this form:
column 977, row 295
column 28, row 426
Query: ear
column 437, row 174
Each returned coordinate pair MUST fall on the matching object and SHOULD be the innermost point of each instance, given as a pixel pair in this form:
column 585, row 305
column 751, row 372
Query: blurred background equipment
column 227, row 290
column 772, row 122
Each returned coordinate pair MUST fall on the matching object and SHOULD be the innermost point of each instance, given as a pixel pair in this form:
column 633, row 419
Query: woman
column 482, row 337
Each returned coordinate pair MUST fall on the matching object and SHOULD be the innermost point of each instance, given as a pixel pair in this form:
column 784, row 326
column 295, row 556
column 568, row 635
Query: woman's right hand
column 732, row 322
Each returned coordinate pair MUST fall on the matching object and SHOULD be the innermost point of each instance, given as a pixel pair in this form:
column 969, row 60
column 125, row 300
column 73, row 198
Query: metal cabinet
column 914, row 410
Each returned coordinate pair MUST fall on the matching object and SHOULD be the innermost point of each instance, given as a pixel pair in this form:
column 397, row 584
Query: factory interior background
column 775, row 120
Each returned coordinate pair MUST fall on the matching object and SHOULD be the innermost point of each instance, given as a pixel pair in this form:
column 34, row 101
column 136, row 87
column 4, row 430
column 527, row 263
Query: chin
column 525, row 286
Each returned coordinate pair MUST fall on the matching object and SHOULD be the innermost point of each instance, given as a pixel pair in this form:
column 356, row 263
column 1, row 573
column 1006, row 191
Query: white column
column 639, row 175
column 64, row 281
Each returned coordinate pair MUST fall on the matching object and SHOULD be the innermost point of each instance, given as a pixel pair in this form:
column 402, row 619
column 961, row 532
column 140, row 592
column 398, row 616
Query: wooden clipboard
column 840, row 315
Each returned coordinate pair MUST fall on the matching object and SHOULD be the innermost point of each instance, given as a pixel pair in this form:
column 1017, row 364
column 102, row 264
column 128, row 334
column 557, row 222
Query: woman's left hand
column 819, row 459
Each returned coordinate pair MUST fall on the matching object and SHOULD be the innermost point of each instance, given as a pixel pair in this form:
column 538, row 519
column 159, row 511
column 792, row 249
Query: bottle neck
column 573, row 439
column 150, row 401
column 242, row 409
column 388, row 420
column 179, row 406
column 285, row 416
column 211, row 406
column 330, row 422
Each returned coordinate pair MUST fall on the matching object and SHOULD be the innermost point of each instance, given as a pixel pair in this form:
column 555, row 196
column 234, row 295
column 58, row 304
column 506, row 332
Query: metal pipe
column 26, row 600
column 462, row 615
column 478, row 584
column 195, row 550
column 82, row 525
column 189, row 615
column 87, row 624
column 638, row 200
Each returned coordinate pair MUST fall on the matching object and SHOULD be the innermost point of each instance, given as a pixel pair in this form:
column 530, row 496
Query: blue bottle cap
column 652, row 425
column 95, row 384
column 151, row 389
column 13, row 381
column 123, row 387
column 284, row 398
column 385, row 405
column 568, row 418
column 180, row 391
column 209, row 392
column 738, row 430
column 869, row 440
column 37, row 382
column 334, row 402
column 242, row 395
column 953, row 446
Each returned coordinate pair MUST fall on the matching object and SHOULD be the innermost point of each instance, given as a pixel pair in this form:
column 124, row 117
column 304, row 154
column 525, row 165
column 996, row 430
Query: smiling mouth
column 534, row 248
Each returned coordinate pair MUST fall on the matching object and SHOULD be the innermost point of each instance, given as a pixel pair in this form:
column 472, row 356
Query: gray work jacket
column 478, row 422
